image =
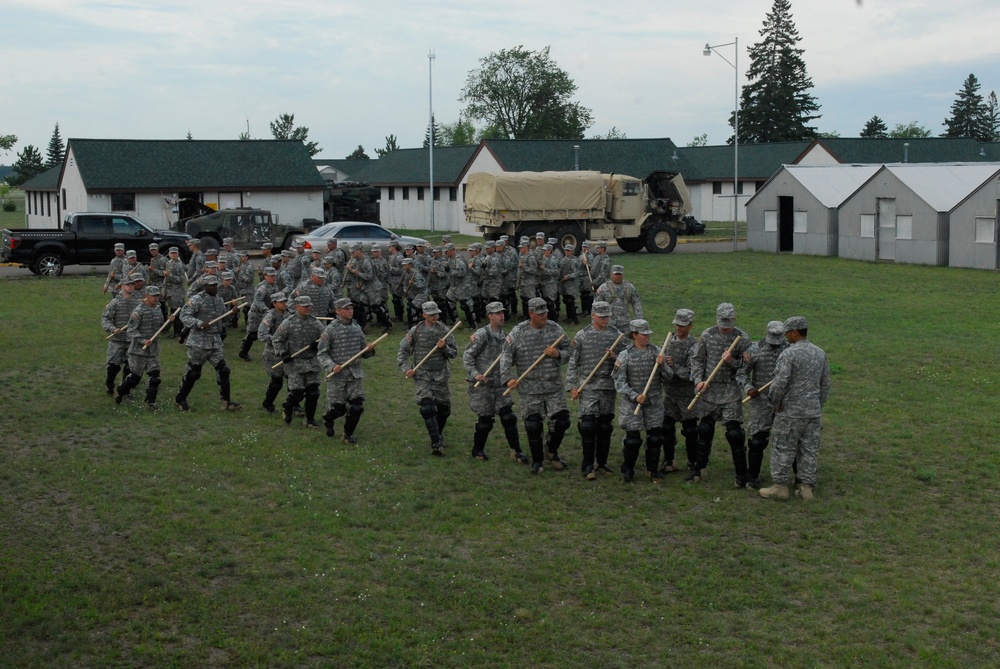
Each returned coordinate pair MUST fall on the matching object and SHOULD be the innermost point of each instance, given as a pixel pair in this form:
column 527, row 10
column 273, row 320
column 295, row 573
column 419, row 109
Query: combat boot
column 805, row 492
column 776, row 491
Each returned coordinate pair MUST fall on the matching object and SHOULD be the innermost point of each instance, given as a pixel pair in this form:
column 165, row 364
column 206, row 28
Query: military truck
column 351, row 201
column 572, row 206
column 248, row 228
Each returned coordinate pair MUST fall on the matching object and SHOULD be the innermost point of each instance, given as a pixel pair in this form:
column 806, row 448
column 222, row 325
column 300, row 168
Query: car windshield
column 325, row 230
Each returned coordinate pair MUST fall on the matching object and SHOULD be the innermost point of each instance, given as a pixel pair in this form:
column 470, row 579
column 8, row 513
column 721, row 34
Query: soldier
column 415, row 291
column 228, row 254
column 296, row 341
column 569, row 283
column 244, row 282
column 460, row 286
column 196, row 261
column 265, row 330
column 678, row 393
column 338, row 254
column 286, row 278
column 115, row 320
column 600, row 265
column 266, row 253
column 298, row 261
column 722, row 400
column 422, row 258
column 202, row 316
column 548, row 286
column 583, row 278
column 134, row 269
column 633, row 370
column 487, row 400
column 756, row 372
column 156, row 269
column 621, row 295
column 474, row 279
column 314, row 286
column 437, row 284
column 143, row 352
column 799, row 389
column 115, row 270
column 597, row 399
column 431, row 379
column 359, row 274
column 491, row 276
column 378, row 289
column 509, row 262
column 211, row 268
column 540, row 391
column 527, row 277
column 227, row 291
column 173, row 287
column 395, row 279
column 258, row 307
column 345, row 392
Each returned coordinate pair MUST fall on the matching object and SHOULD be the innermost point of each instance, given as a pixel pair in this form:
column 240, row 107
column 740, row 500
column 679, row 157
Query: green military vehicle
column 248, row 228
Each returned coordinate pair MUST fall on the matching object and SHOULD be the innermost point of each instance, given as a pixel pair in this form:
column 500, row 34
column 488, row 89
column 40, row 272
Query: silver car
column 348, row 232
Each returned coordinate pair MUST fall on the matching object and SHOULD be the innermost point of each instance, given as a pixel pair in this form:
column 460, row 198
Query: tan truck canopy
column 535, row 191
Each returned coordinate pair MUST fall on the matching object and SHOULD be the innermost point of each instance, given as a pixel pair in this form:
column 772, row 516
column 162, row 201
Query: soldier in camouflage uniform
column 583, row 278
column 296, row 342
column 227, row 291
column 548, row 285
column 258, row 307
column 196, row 261
column 315, row 288
column 342, row 339
column 756, row 371
column 395, row 279
column 245, row 282
column 204, row 344
column 541, row 391
column 414, row 290
column 286, row 278
column 600, row 266
column 134, row 269
column 115, row 270
column 173, row 287
column 338, row 254
column 621, row 295
column 490, row 276
column 144, row 322
column 431, row 380
column 461, row 286
column 228, row 255
column 422, row 260
column 722, row 400
column 799, row 388
column 378, row 292
column 678, row 393
column 487, row 400
column 197, row 286
column 359, row 273
column 269, row 323
column 509, row 261
column 437, row 284
column 597, row 399
column 156, row 269
column 115, row 320
column 527, row 277
column 569, row 283
column 633, row 369
column 266, row 254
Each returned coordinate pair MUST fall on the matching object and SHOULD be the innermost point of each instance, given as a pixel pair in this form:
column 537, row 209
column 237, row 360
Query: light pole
column 709, row 48
column 430, row 124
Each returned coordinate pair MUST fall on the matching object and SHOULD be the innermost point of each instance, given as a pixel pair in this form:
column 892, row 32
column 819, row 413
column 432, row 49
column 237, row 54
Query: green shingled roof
column 47, row 180
column 925, row 150
column 132, row 164
column 635, row 157
column 412, row 166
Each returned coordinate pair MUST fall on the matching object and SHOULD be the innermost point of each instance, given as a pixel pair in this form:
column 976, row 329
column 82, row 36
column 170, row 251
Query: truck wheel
column 660, row 238
column 49, row 264
column 630, row 244
column 209, row 242
column 571, row 235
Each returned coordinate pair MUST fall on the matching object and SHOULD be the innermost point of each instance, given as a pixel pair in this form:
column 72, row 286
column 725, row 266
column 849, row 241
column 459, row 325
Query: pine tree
column 358, row 154
column 437, row 134
column 776, row 105
column 57, row 150
column 29, row 165
column 390, row 146
column 968, row 113
column 992, row 118
column 875, row 128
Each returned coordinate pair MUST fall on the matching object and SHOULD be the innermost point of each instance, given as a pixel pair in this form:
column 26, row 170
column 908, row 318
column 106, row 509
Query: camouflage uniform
column 583, row 279
column 204, row 345
column 156, row 269
column 569, row 283
column 488, row 401
column 620, row 296
column 265, row 331
column 431, row 380
column 799, row 389
column 527, row 277
column 437, row 284
column 509, row 278
column 491, row 277
column 677, row 395
column 345, row 391
column 461, row 287
column 258, row 307
column 116, row 316
column 415, row 291
column 756, row 371
column 173, row 290
column 597, row 401
column 245, row 274
column 295, row 333
column 549, row 266
column 541, row 392
column 135, row 270
column 395, row 281
column 632, row 370
column 377, row 290
column 195, row 264
column 144, row 322
column 320, row 294
column 722, row 400
column 600, row 266
column 360, row 274
column 115, row 271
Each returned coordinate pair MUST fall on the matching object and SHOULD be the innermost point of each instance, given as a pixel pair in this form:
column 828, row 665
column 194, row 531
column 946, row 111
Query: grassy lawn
column 208, row 539
column 13, row 219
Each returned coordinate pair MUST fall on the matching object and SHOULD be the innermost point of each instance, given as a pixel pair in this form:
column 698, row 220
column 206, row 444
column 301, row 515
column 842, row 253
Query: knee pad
column 442, row 410
column 758, row 442
column 193, row 372
column 670, row 425
column 655, row 433
column 337, row 410
column 223, row 371
column 735, row 434
column 312, row 391
column 706, row 429
column 154, row 379
column 428, row 410
column 114, row 369
column 508, row 418
column 484, row 424
column 561, row 421
column 632, row 440
column 587, row 425
column 689, row 428
column 605, row 424
column 533, row 425
column 356, row 407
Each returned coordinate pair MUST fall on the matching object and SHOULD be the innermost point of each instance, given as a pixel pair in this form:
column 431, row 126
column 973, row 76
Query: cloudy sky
column 354, row 72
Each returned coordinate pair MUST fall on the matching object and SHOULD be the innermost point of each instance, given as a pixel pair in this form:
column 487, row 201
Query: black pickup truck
column 86, row 239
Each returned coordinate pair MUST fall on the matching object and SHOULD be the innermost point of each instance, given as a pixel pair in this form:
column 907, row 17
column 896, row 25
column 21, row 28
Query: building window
column 770, row 220
column 48, row 204
column 739, row 187
column 420, row 192
column 392, row 192
column 406, row 192
column 757, row 185
column 985, row 228
column 800, row 222
column 904, row 227
column 437, row 193
column 716, row 188
column 452, row 193
column 868, row 225
column 123, row 202
column 64, row 197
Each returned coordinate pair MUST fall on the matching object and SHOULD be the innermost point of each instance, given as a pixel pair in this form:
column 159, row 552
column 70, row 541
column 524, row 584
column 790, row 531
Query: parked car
column 348, row 232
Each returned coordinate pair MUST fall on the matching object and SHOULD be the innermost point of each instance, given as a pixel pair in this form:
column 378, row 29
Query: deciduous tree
column 390, row 146
column 29, row 165
column 284, row 127
column 911, row 130
column 614, row 133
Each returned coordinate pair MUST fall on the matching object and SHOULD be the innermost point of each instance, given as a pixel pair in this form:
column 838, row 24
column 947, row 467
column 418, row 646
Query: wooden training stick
column 431, row 352
column 601, row 362
column 228, row 314
column 535, row 363
column 652, row 374
column 295, row 355
column 357, row 355
column 759, row 390
column 712, row 376
column 162, row 328
column 489, row 369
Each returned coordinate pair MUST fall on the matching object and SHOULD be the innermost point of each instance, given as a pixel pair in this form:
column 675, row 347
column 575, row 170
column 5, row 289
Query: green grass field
column 13, row 219
column 209, row 539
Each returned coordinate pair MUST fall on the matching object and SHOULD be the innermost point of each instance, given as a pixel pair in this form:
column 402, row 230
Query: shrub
column 10, row 205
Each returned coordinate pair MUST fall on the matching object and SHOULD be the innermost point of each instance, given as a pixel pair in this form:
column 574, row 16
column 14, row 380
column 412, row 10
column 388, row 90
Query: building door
column 786, row 224
column 886, row 228
column 230, row 200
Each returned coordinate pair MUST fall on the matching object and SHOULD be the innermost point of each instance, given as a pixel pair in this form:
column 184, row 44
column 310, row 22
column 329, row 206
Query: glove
column 314, row 346
column 287, row 359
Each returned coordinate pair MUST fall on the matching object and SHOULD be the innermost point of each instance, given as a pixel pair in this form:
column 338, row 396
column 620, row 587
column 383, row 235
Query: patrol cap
column 130, row 254
column 796, row 323
column 394, row 243
column 316, row 249
column 449, row 247
column 287, row 253
column 223, row 260
column 211, row 264
column 552, row 240
column 503, row 238
column 523, row 244
column 343, row 303
column 423, row 242
column 194, row 241
column 436, row 249
column 174, row 249
column 523, row 239
column 725, row 315
column 119, row 246
column 266, row 245
column 407, row 261
column 775, row 332
column 327, row 260
column 303, row 301
column 332, row 241
column 242, row 254
column 128, row 280
column 212, row 251
column 495, row 308
column 639, row 326
column 617, row 269
column 430, row 308
column 601, row 245
column 153, row 290
column 600, row 308
column 536, row 305
column 299, row 244
column 270, row 271
column 408, row 247
column 356, row 246
column 211, row 280
column 474, row 246
column 227, row 240
column 228, row 276
column 684, row 317
column 491, row 244
column 585, row 244
column 539, row 235
column 279, row 297
column 154, row 247
column 376, row 248
column 318, row 271
column 546, row 247
column 568, row 247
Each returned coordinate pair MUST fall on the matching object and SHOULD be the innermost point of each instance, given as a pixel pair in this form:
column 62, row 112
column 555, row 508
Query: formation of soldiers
column 311, row 311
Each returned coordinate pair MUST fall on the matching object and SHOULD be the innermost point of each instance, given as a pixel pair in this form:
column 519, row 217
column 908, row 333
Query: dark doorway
column 786, row 223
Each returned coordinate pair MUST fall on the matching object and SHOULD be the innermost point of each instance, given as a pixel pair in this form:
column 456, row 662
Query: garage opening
column 786, row 223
